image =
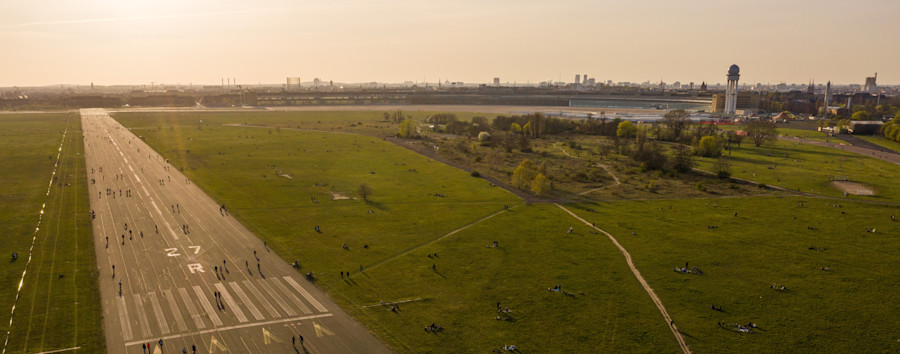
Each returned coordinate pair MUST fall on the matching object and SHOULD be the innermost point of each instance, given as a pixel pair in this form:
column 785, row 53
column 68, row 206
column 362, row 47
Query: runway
column 176, row 271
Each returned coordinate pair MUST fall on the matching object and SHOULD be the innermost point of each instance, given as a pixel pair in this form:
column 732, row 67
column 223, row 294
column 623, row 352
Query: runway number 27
column 173, row 252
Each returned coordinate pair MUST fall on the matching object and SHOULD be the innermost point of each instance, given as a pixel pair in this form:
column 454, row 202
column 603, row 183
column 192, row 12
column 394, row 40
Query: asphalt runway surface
column 176, row 271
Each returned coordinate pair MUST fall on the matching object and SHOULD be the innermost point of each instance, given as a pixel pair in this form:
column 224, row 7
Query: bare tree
column 676, row 122
column 364, row 191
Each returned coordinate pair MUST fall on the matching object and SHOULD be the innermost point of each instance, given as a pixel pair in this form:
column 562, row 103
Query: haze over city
column 137, row 42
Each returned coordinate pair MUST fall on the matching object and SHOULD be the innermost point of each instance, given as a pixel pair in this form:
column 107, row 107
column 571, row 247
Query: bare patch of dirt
column 853, row 188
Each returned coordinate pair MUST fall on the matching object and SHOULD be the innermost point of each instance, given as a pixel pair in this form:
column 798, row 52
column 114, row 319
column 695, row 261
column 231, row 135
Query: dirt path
column 640, row 278
column 604, row 167
column 451, row 233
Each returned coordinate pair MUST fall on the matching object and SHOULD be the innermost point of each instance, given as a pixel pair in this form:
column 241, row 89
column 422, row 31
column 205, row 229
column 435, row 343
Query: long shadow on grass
column 378, row 205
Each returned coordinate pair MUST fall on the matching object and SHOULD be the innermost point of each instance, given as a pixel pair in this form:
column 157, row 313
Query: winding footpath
column 640, row 278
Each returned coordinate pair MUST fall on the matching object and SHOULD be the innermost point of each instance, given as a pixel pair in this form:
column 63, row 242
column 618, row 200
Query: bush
column 700, row 186
column 477, row 158
column 475, row 174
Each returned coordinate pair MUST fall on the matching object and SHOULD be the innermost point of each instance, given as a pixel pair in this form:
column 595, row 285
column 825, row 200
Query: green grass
column 848, row 309
column 803, row 134
column 52, row 312
column 810, row 169
column 229, row 163
column 890, row 144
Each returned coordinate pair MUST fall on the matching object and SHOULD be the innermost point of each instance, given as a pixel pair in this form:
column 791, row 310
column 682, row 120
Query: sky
column 136, row 42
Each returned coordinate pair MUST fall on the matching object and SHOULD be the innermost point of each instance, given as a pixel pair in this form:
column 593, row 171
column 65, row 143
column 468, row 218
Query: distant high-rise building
column 870, row 83
column 584, row 79
column 825, row 100
column 692, row 86
column 577, row 79
column 496, row 81
column 734, row 74
column 703, row 86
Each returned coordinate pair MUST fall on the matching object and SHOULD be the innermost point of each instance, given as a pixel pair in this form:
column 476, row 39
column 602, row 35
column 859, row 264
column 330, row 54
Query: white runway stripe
column 192, row 310
column 139, row 306
column 290, row 296
column 207, row 306
column 123, row 318
column 232, row 305
column 278, row 300
column 259, row 297
column 240, row 293
column 173, row 306
column 160, row 317
column 306, row 294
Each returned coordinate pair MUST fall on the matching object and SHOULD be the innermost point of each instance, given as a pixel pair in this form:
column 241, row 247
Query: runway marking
column 145, row 325
column 152, row 202
column 175, row 311
column 206, row 305
column 287, row 309
column 268, row 306
column 268, row 337
column 123, row 318
column 146, row 193
column 192, row 310
column 160, row 317
column 214, row 343
column 60, row 350
column 129, row 167
column 305, row 294
column 221, row 329
column 321, row 330
column 231, row 303
column 240, row 293
column 291, row 296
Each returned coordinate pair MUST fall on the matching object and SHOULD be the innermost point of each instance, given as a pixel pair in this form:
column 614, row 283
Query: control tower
column 734, row 73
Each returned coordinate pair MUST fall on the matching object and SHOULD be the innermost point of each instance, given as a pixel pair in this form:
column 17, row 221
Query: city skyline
column 112, row 43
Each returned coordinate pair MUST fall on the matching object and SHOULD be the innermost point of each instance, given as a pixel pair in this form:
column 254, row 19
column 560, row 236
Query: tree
column 652, row 157
column 626, row 130
column 722, row 168
column 761, row 131
column 541, row 185
column 484, row 137
column 683, row 161
column 523, row 174
column 676, row 121
column 407, row 129
column 709, row 146
column 515, row 128
column 861, row 115
column 364, row 191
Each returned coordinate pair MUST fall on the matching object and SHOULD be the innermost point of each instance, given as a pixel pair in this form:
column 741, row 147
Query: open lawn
column 810, row 169
column 849, row 308
column 58, row 306
column 890, row 144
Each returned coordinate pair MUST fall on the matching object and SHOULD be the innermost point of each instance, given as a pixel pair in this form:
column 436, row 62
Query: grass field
column 810, row 168
column 270, row 178
column 52, row 312
column 890, row 144
column 850, row 308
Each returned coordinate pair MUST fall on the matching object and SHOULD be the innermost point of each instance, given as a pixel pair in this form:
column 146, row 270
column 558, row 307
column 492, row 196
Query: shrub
column 475, row 174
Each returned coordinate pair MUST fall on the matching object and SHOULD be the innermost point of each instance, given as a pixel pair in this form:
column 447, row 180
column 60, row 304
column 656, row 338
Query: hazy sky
column 200, row 41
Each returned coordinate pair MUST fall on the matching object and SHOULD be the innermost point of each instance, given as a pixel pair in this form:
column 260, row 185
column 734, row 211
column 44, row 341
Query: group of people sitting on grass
column 507, row 347
column 747, row 328
column 685, row 269
column 434, row 328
